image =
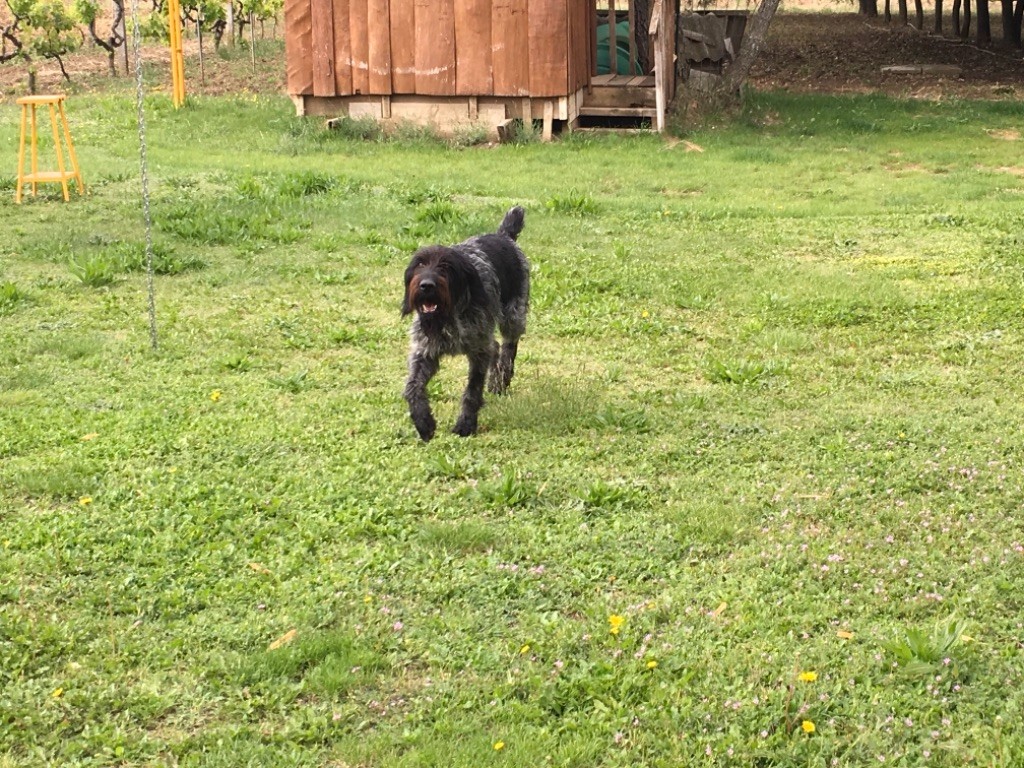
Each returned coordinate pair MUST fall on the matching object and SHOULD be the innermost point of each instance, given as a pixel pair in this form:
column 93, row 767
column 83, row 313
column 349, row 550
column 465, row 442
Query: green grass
column 767, row 412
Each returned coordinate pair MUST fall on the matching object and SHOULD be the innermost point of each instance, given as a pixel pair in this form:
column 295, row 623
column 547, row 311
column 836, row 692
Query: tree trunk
column 965, row 28
column 904, row 16
column 984, row 34
column 1018, row 19
column 938, row 17
column 888, row 11
column 753, row 42
column 1011, row 36
column 642, row 14
column 918, row 14
column 869, row 8
column 956, row 18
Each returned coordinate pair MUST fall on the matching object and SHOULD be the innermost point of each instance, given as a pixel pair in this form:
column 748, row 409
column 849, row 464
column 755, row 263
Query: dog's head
column 438, row 281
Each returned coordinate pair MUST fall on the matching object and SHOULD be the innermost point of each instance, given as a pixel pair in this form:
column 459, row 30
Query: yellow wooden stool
column 28, row 129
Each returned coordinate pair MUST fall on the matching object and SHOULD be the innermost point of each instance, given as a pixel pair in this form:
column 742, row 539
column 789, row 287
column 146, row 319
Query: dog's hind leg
column 503, row 367
column 473, row 397
column 421, row 370
column 504, row 364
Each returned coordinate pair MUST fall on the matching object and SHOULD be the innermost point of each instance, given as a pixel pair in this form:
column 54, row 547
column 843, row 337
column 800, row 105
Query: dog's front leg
column 422, row 368
column 473, row 397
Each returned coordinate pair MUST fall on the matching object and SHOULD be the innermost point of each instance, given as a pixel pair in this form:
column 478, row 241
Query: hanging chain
column 141, row 114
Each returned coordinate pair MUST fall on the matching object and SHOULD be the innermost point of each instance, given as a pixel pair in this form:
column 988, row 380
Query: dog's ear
column 464, row 282
column 410, row 271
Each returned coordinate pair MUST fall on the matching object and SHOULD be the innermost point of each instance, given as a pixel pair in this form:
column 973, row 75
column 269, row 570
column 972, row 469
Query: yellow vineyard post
column 177, row 57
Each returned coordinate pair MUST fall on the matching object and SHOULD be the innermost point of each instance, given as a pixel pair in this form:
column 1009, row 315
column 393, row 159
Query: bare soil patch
column 845, row 53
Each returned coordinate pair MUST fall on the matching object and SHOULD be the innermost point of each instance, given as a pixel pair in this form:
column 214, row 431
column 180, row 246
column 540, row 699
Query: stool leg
column 71, row 149
column 21, row 153
column 60, row 154
column 35, row 151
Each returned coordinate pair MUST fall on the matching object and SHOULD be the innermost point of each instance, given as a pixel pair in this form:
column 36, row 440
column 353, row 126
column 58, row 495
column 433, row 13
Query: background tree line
column 1011, row 14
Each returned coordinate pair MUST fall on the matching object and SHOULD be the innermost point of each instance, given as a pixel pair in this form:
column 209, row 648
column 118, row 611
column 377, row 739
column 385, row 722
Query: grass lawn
column 752, row 498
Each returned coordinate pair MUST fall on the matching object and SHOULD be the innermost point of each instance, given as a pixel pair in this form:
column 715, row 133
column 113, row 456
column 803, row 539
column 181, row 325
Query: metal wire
column 141, row 115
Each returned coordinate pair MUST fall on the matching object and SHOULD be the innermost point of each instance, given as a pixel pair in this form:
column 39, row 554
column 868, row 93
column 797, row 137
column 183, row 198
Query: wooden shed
column 455, row 63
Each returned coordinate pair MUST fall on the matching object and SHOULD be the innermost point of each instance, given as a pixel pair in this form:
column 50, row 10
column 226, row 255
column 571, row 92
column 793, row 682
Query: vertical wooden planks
column 474, row 67
column 298, row 41
column 323, row 47
column 357, row 24
column 379, row 46
column 510, row 46
column 579, row 43
column 435, row 47
column 342, row 48
column 548, row 36
column 403, row 46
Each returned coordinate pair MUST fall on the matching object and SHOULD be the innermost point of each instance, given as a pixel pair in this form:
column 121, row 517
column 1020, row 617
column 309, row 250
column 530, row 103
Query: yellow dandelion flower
column 524, row 650
column 215, row 395
column 808, row 677
column 615, row 623
column 652, row 664
column 807, row 726
column 85, row 501
column 58, row 693
column 368, row 599
column 645, row 314
column 499, row 745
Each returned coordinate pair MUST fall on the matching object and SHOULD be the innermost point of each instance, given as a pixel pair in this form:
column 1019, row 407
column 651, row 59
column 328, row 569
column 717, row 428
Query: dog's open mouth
column 428, row 309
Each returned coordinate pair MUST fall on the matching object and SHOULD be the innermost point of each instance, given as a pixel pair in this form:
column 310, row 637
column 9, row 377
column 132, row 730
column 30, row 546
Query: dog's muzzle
column 426, row 297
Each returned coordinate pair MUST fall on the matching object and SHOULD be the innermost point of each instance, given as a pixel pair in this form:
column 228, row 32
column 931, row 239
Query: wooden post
column 613, row 41
column 549, row 119
column 660, row 44
column 632, row 36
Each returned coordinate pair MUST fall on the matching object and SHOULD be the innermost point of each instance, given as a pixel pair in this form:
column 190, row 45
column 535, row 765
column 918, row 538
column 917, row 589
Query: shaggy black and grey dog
column 460, row 293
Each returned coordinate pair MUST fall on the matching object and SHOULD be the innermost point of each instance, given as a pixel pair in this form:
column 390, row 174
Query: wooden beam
column 549, row 120
column 661, row 45
column 632, row 36
column 613, row 41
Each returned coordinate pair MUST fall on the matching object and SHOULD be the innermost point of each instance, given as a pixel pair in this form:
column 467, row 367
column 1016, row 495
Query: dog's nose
column 426, row 284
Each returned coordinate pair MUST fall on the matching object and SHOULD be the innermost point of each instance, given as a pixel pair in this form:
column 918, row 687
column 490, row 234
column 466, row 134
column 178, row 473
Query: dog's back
column 510, row 266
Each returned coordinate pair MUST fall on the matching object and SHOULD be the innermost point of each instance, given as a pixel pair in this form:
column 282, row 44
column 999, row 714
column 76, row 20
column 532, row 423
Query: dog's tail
column 513, row 222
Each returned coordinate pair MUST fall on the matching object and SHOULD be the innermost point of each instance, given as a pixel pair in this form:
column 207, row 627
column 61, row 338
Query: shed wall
column 535, row 48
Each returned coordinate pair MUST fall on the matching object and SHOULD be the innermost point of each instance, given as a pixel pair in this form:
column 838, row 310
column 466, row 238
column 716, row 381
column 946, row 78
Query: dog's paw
column 426, row 428
column 464, row 427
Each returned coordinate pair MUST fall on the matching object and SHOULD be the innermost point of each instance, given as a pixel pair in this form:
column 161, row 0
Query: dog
column 460, row 294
